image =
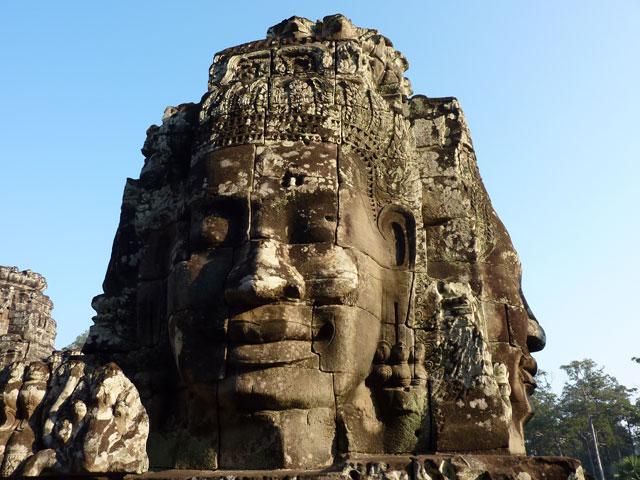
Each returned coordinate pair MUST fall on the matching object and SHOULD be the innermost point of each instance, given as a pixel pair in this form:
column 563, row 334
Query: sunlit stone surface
column 60, row 414
column 309, row 275
column 27, row 330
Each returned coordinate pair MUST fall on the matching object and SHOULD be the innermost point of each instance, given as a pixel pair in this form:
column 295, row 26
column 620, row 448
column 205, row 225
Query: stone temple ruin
column 54, row 406
column 27, row 331
column 308, row 279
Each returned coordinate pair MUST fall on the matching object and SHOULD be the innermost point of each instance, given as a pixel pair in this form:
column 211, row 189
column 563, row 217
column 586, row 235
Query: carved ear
column 398, row 228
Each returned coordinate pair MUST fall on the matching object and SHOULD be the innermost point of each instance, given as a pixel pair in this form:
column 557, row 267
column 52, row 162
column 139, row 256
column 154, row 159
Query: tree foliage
column 543, row 429
column 78, row 343
column 560, row 425
column 628, row 468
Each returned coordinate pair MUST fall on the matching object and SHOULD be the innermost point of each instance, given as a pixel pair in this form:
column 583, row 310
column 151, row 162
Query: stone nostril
column 326, row 333
column 536, row 337
column 291, row 291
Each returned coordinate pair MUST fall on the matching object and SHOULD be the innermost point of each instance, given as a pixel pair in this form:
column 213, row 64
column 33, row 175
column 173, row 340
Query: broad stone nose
column 262, row 274
column 536, row 336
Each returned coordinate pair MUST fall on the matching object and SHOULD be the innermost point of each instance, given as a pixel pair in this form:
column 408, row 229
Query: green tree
column 79, row 342
column 543, row 434
column 560, row 425
column 628, row 468
column 589, row 392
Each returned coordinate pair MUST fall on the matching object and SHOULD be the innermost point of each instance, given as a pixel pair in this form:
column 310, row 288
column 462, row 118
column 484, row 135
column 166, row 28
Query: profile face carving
column 320, row 253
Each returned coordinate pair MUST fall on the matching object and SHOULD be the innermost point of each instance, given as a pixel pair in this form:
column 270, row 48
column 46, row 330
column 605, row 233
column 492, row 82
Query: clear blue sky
column 550, row 90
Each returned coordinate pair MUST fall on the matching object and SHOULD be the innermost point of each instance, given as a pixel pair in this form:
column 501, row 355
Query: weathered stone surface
column 467, row 243
column 27, row 331
column 59, row 414
column 419, row 467
column 64, row 416
column 309, row 268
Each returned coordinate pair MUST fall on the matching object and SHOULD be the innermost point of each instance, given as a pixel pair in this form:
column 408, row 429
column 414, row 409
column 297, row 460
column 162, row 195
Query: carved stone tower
column 27, row 331
column 308, row 279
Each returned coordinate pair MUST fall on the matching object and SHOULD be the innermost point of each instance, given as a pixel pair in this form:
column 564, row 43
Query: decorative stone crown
column 327, row 81
column 26, row 278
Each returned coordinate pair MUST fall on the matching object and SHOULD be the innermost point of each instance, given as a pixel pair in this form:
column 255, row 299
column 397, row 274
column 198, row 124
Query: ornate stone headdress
column 327, row 81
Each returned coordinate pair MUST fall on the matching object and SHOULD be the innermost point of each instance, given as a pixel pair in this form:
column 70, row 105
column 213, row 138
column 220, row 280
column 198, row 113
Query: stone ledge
column 401, row 467
column 388, row 467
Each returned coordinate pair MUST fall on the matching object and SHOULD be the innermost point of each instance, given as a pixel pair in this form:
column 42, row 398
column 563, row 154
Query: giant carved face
column 330, row 256
column 290, row 277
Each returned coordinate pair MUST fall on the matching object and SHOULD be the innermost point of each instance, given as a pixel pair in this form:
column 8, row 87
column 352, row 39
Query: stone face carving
column 27, row 331
column 67, row 417
column 310, row 267
column 466, row 242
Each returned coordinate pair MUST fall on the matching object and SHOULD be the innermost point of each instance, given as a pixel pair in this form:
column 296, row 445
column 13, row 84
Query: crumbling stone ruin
column 67, row 416
column 27, row 331
column 59, row 414
column 308, row 279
